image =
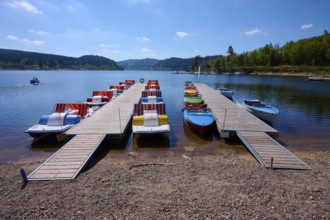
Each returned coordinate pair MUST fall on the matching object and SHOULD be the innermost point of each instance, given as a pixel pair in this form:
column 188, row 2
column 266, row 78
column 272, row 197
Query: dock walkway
column 254, row 133
column 111, row 120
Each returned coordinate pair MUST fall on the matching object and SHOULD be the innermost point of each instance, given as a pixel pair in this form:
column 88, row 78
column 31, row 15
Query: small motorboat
column 99, row 98
column 226, row 92
column 34, row 81
column 64, row 117
column 265, row 112
column 198, row 119
column 150, row 119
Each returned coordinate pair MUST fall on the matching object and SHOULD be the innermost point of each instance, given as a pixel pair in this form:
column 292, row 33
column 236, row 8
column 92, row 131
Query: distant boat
column 34, row 81
column 265, row 112
column 316, row 78
column 198, row 119
column 64, row 117
column 226, row 92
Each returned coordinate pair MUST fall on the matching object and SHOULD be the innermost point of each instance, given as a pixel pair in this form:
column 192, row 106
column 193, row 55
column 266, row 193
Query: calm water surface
column 304, row 105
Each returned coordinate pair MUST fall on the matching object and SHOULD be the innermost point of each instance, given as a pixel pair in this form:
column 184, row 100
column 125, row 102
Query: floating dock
column 254, row 133
column 111, row 120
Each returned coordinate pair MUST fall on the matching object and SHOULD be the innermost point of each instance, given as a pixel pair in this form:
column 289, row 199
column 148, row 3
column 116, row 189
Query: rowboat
column 192, row 98
column 199, row 119
column 265, row 112
column 226, row 92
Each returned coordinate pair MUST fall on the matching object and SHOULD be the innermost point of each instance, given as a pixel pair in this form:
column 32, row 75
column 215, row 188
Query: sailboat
column 199, row 71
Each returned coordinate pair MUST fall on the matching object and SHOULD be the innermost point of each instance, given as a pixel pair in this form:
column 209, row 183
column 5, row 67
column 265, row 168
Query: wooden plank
column 66, row 163
column 282, row 158
column 228, row 115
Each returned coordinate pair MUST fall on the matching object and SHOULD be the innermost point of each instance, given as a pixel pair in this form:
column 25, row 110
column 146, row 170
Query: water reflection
column 151, row 142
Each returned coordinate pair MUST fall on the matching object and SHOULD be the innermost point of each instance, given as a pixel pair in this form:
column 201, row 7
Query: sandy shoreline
column 173, row 186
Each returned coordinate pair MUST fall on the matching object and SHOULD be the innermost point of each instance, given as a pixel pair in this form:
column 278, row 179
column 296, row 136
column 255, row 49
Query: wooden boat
column 199, row 119
column 265, row 112
column 226, row 92
column 99, row 98
column 150, row 119
column 64, row 117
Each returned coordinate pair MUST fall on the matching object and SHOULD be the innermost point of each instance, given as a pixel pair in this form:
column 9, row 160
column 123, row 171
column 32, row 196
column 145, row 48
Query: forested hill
column 174, row 63
column 135, row 64
column 15, row 59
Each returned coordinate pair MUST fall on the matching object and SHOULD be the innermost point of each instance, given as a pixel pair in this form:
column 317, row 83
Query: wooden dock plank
column 282, row 158
column 66, row 164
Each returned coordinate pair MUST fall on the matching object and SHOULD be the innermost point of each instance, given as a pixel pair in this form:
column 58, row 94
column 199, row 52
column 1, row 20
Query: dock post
column 24, row 177
column 119, row 119
column 271, row 162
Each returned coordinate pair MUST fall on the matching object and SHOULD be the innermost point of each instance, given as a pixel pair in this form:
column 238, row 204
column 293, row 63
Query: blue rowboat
column 198, row 119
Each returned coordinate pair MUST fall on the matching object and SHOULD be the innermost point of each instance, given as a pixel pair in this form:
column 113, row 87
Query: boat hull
column 199, row 119
column 42, row 130
column 266, row 113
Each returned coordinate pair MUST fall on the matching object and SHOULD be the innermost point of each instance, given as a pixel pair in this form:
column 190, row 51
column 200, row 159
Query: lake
column 304, row 121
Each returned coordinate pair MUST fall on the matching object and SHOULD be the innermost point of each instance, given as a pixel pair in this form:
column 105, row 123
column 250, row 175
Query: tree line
column 14, row 59
column 306, row 55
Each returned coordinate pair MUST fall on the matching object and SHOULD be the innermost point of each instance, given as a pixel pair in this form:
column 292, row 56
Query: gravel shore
column 172, row 186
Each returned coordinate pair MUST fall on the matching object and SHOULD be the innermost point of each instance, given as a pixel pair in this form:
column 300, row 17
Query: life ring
column 142, row 80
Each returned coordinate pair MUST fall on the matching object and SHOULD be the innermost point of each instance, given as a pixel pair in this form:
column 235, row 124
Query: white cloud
column 143, row 39
column 24, row 4
column 38, row 32
column 33, row 42
column 253, row 32
column 147, row 52
column 182, row 34
column 12, row 37
column 306, row 26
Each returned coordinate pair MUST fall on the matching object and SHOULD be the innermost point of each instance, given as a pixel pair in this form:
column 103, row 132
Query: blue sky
column 160, row 29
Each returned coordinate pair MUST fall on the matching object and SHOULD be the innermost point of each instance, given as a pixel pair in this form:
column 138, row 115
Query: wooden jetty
column 254, row 133
column 112, row 120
